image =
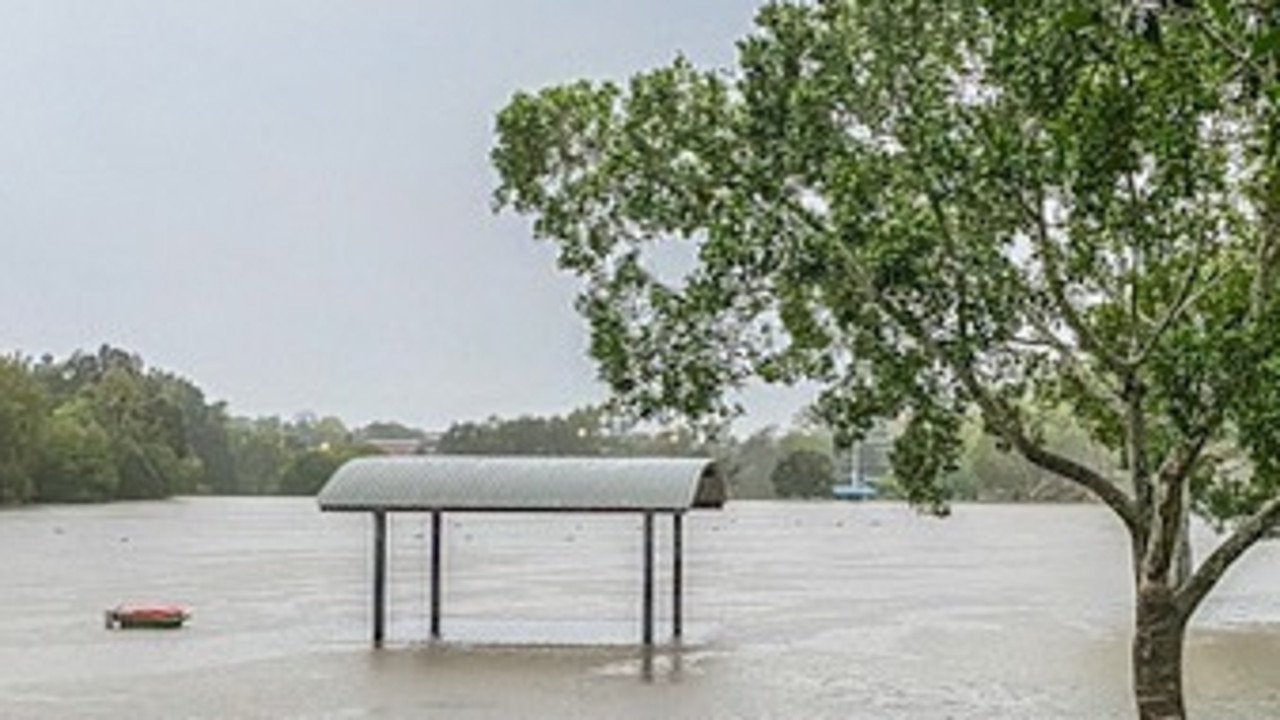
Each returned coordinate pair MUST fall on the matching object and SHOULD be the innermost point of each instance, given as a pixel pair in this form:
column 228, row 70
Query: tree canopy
column 585, row 431
column 947, row 210
column 805, row 474
column 100, row 426
column 22, row 403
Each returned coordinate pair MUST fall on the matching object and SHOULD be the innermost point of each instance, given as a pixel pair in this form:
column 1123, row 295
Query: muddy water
column 793, row 611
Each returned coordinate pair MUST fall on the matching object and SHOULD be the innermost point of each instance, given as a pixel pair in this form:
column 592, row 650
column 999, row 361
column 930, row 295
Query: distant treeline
column 751, row 463
column 103, row 426
column 800, row 462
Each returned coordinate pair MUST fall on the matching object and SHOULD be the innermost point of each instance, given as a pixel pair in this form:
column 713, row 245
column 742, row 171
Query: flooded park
column 792, row 610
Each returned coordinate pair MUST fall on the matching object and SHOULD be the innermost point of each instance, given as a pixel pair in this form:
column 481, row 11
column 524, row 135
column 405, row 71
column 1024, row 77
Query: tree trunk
column 1159, row 628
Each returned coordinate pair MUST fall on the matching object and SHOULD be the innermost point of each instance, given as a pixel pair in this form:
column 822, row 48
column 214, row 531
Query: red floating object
column 162, row 617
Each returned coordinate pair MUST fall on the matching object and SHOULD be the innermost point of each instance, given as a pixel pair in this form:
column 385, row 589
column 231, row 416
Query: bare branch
column 1136, row 259
column 1011, row 429
column 1211, row 570
column 1166, row 520
column 1136, row 440
column 1268, row 252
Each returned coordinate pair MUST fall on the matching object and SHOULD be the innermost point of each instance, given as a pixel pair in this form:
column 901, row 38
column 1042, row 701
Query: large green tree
column 22, row 417
column 161, row 435
column 148, row 436
column 952, row 207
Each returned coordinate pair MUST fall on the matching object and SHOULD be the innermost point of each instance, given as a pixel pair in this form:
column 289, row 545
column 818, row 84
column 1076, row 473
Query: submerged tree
column 804, row 473
column 949, row 208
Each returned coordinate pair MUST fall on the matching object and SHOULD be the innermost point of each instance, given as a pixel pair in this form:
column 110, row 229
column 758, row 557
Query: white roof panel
column 453, row 482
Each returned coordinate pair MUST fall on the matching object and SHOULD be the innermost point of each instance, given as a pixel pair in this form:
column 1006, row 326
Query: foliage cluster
column 594, row 431
column 103, row 426
column 804, row 473
column 100, row 427
column 585, row 431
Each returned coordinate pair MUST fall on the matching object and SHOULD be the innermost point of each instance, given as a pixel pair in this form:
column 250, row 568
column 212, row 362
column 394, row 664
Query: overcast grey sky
column 288, row 200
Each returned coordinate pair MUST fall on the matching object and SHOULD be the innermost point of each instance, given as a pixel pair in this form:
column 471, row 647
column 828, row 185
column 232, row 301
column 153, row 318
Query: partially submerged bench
column 439, row 484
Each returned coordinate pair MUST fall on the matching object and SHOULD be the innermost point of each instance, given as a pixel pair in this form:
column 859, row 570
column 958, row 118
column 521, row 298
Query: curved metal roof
column 452, row 482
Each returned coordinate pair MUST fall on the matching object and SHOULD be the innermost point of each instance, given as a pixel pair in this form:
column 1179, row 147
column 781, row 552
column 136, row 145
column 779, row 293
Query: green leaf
column 1266, row 43
column 1077, row 18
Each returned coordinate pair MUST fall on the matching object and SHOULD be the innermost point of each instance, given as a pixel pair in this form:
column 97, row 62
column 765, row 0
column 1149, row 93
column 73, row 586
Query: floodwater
column 793, row 610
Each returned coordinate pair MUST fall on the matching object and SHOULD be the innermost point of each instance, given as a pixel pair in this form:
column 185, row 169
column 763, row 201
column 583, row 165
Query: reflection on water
column 792, row 611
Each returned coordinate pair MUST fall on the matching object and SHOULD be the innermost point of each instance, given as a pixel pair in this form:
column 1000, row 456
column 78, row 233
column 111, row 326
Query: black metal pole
column 435, row 573
column 677, row 574
column 379, row 576
column 647, row 630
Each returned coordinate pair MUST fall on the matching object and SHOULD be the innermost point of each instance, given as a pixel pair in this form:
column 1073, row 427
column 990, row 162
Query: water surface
column 793, row 610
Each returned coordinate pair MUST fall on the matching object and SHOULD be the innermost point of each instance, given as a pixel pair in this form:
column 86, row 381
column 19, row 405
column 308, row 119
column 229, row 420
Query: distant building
column 422, row 443
column 396, row 446
column 430, row 443
column 866, row 463
column 426, row 444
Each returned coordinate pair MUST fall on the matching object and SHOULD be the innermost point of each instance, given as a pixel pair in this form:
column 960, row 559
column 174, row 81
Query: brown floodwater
column 793, row 610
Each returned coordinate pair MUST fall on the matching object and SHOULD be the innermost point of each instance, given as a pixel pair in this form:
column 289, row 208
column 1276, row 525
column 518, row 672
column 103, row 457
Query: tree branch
column 1211, row 570
column 1105, row 490
column 1136, row 439
column 1048, row 253
column 1006, row 422
column 1240, row 55
column 1167, row 515
column 1070, row 355
column 1268, row 251
column 1188, row 296
column 1136, row 259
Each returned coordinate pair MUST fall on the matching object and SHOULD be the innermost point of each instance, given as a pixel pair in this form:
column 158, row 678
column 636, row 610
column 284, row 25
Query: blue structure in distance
column 866, row 461
column 854, row 491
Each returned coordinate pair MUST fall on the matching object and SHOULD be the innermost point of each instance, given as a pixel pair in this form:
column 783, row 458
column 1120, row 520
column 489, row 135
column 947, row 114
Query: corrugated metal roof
column 450, row 482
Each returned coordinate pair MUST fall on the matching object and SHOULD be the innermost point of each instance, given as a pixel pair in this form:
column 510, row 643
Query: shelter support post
column 677, row 575
column 379, row 577
column 647, row 602
column 436, row 517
